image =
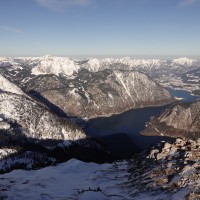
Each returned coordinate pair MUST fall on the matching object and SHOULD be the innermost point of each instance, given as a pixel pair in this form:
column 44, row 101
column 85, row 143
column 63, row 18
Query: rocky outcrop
column 92, row 94
column 179, row 120
column 168, row 171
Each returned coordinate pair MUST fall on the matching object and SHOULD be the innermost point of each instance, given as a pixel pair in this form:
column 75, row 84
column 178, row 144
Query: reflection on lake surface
column 121, row 132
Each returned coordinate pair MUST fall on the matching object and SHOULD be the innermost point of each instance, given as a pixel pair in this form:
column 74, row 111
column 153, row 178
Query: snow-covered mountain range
column 67, row 66
column 180, row 73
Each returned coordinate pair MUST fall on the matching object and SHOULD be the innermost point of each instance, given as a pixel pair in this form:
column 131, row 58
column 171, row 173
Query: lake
column 185, row 95
column 121, row 132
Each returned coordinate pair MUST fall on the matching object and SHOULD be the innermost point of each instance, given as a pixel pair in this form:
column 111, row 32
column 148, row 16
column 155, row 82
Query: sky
column 100, row 27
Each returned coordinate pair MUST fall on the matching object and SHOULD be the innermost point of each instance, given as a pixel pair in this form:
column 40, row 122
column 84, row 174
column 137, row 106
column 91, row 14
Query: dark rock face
column 91, row 94
column 168, row 171
column 179, row 120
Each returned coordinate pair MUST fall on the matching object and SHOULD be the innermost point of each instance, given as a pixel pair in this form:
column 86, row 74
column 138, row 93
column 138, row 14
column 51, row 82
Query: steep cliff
column 179, row 120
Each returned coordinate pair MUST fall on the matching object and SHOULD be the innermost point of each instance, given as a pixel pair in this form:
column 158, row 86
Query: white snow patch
column 119, row 77
column 4, row 152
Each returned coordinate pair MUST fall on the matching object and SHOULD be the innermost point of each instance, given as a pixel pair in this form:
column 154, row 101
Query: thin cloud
column 61, row 5
column 178, row 2
column 187, row 2
column 16, row 30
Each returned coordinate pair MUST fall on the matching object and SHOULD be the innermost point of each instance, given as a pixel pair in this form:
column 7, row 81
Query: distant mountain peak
column 55, row 65
column 184, row 61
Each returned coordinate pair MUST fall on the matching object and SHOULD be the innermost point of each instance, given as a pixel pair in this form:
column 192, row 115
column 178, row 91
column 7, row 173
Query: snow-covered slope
column 56, row 65
column 66, row 66
column 7, row 61
column 180, row 73
column 7, row 86
column 19, row 62
column 55, row 77
column 36, row 121
column 167, row 172
column 71, row 180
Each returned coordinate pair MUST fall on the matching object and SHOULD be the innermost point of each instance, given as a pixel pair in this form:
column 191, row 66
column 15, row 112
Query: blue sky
column 100, row 27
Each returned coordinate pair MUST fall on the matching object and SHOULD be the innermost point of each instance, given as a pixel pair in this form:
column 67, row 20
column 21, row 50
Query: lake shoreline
column 121, row 132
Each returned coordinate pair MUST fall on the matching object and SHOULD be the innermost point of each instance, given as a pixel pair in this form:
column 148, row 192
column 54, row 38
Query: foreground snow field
column 71, row 180
column 167, row 172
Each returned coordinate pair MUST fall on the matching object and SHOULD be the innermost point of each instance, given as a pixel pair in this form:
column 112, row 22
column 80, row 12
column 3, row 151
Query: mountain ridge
column 101, row 93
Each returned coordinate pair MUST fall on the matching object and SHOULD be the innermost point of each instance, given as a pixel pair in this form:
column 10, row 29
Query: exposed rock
column 174, row 173
column 167, row 146
column 180, row 142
